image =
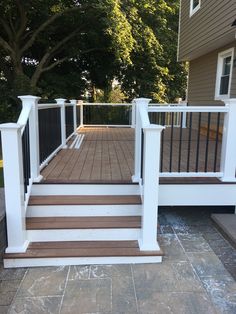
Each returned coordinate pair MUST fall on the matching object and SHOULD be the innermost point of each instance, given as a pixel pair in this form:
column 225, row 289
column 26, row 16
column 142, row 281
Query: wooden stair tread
column 82, row 249
column 84, row 200
column 42, row 223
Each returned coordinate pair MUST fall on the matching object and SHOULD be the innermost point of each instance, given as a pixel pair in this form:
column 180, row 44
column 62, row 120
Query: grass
column 1, row 173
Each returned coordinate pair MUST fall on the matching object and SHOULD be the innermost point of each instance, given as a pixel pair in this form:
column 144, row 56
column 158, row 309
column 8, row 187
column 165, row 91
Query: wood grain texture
column 84, row 200
column 83, row 249
column 52, row 223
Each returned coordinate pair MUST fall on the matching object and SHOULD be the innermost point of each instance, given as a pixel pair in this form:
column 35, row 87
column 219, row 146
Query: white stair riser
column 63, row 261
column 85, row 189
column 83, row 235
column 83, row 210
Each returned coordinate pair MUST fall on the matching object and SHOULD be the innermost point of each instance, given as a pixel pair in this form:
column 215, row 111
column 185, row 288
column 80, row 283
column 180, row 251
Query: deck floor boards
column 107, row 155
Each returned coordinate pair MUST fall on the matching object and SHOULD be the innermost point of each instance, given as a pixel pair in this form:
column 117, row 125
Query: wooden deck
column 107, row 155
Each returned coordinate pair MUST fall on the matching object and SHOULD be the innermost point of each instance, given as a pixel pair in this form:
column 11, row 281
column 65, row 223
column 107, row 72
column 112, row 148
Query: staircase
column 76, row 224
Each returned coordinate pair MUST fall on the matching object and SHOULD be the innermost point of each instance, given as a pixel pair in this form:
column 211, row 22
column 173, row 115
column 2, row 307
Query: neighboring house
column 207, row 41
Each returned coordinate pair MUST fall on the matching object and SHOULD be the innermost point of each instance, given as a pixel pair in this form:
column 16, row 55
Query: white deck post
column 133, row 120
column 138, row 133
column 80, row 102
column 74, row 103
column 151, row 163
column 184, row 120
column 14, row 187
column 61, row 102
column 32, row 103
column 228, row 150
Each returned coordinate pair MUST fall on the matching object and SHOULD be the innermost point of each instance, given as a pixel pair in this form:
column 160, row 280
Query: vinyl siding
column 208, row 28
column 202, row 78
column 233, row 84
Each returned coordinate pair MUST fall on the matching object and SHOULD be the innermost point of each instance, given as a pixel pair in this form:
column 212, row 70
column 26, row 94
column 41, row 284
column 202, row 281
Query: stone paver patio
column 192, row 278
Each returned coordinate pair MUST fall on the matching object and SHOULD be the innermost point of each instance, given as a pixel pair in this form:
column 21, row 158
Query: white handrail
column 48, row 106
column 104, row 104
column 206, row 109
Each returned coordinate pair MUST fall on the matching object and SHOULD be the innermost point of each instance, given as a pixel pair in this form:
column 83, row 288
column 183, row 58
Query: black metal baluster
column 207, row 140
column 198, row 140
column 180, row 141
column 189, row 141
column 49, row 131
column 217, row 140
column 26, row 156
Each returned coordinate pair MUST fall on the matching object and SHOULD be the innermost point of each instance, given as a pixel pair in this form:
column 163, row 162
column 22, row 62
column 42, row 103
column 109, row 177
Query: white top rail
column 168, row 104
column 189, row 109
column 48, row 106
column 67, row 104
column 104, row 104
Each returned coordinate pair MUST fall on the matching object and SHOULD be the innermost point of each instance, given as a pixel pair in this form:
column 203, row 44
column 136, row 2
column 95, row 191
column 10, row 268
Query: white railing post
column 80, row 102
column 14, row 187
column 151, row 163
column 61, row 102
column 139, row 102
column 184, row 120
column 32, row 103
column 133, row 115
column 228, row 150
column 74, row 103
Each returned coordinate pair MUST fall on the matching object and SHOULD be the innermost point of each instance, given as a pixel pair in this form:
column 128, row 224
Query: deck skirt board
column 83, row 249
column 52, row 223
column 84, row 200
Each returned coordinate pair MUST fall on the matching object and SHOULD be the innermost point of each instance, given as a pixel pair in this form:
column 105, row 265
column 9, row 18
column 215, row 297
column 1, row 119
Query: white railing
column 178, row 119
column 22, row 167
column 147, row 138
column 62, row 105
column 226, row 171
column 130, row 107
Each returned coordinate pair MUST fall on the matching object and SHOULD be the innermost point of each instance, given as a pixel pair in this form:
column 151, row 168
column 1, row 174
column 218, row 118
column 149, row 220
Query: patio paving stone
column 123, row 295
column 176, row 303
column 46, row 281
column 207, row 264
column 79, row 272
column 36, row 305
column 194, row 243
column 173, row 251
column 168, row 277
column 87, row 296
column 110, row 271
column 223, row 293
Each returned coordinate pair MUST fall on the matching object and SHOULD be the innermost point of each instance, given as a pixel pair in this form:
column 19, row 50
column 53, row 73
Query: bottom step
column 81, row 253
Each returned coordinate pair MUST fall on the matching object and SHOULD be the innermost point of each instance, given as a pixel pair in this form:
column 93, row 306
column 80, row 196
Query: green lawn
column 1, row 174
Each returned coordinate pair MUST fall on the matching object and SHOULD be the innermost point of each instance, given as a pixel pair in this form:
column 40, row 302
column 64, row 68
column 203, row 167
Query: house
column 207, row 40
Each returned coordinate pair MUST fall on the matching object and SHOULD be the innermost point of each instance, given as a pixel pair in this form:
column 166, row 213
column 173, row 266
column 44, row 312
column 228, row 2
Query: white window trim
column 193, row 11
column 221, row 56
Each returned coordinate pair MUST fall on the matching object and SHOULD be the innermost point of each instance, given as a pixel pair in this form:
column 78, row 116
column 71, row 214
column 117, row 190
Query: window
column 194, row 6
column 224, row 73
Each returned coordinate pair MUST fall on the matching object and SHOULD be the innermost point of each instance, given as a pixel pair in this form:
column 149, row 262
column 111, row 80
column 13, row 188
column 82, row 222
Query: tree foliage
column 68, row 47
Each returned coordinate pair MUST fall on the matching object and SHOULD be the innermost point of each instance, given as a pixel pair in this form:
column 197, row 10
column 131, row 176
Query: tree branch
column 43, row 26
column 23, row 19
column 6, row 46
column 53, row 65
